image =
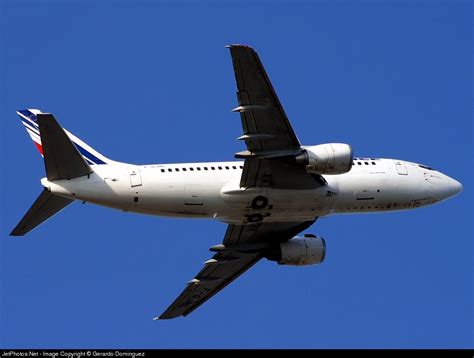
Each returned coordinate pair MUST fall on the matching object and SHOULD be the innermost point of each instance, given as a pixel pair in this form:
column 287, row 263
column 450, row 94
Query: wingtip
column 193, row 281
column 239, row 45
column 18, row 231
column 165, row 316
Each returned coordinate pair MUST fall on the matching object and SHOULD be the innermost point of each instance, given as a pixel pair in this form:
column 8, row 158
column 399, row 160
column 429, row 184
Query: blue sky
column 151, row 82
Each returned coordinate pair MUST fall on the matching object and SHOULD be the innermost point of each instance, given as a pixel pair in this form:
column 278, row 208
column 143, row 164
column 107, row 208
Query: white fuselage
column 212, row 190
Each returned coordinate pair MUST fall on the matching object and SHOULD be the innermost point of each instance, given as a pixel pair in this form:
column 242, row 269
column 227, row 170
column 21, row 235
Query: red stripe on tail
column 40, row 147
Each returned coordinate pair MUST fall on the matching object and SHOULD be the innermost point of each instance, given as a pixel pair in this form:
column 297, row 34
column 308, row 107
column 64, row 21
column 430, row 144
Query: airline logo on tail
column 29, row 120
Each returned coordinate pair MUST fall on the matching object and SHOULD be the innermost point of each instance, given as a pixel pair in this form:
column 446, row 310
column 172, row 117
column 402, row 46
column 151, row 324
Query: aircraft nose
column 455, row 186
column 447, row 188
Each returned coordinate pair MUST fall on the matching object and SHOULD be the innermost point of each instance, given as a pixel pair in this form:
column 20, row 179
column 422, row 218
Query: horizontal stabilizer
column 42, row 209
column 62, row 160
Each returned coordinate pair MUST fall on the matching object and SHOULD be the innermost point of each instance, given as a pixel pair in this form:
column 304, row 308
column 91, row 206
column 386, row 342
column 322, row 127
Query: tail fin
column 42, row 209
column 29, row 117
column 62, row 159
column 65, row 157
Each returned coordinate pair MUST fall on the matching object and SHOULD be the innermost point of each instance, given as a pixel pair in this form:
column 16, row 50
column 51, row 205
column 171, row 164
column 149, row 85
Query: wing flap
column 263, row 232
column 278, row 174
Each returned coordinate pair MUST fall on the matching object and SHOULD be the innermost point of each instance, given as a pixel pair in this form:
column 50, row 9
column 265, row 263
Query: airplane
column 275, row 190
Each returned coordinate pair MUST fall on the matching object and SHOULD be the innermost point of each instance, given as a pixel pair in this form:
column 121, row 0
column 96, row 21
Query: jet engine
column 332, row 158
column 299, row 251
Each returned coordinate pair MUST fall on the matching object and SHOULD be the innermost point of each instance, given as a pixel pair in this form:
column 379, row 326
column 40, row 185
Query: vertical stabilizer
column 29, row 118
column 62, row 159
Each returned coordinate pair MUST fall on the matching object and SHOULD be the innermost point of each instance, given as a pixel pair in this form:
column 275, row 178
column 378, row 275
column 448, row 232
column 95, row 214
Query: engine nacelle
column 332, row 158
column 298, row 251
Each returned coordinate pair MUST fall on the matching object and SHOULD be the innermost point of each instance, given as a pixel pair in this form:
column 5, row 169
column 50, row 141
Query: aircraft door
column 401, row 168
column 135, row 176
column 366, row 194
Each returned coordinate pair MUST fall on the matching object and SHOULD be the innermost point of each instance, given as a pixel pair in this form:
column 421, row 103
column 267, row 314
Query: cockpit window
column 425, row 167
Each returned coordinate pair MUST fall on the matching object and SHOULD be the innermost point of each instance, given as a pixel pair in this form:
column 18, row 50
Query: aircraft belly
column 282, row 205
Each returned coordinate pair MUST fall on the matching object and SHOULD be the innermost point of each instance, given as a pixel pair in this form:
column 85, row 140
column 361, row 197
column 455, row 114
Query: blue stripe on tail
column 89, row 156
column 30, row 121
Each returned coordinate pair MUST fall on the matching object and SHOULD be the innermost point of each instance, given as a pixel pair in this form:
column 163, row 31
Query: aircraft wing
column 266, row 126
column 271, row 141
column 243, row 246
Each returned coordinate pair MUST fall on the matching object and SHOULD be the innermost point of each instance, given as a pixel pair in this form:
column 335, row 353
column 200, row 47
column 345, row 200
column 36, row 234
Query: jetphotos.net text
column 71, row 354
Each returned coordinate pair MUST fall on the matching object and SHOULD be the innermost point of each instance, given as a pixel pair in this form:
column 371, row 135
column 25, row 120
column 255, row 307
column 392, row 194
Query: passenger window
column 220, row 168
column 198, row 168
column 205, row 168
column 234, row 167
column 184, row 169
column 241, row 167
column 213, row 168
column 191, row 169
column 373, row 163
column 162, row 170
column 177, row 169
column 359, row 163
column 170, row 170
column 227, row 168
column 366, row 163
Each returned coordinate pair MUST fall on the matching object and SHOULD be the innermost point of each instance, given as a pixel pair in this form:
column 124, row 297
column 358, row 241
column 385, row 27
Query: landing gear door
column 135, row 177
column 401, row 168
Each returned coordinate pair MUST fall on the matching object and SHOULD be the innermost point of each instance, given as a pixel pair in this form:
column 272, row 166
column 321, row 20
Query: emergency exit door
column 135, row 177
column 401, row 168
